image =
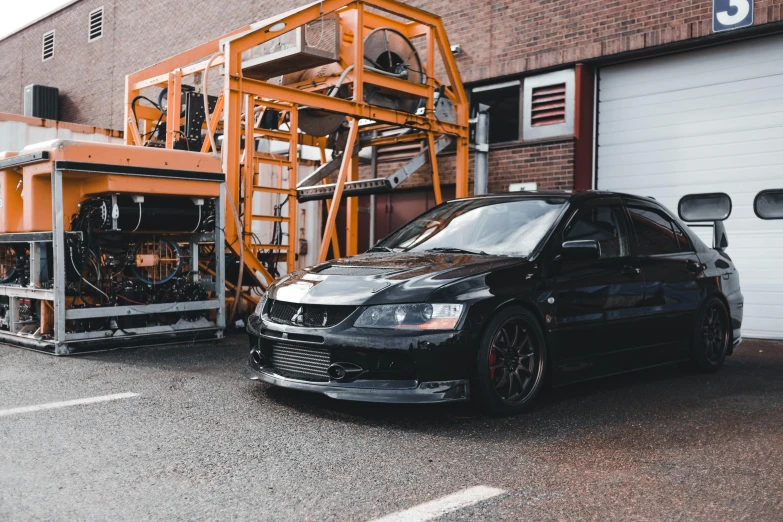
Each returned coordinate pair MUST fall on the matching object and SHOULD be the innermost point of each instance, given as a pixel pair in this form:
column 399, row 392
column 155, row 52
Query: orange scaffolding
column 243, row 100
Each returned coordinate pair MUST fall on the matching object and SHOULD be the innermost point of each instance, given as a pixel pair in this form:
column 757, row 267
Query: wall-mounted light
column 456, row 49
column 279, row 26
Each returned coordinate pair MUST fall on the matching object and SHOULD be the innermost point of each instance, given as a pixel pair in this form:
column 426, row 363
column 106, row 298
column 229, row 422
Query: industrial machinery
column 320, row 82
column 104, row 244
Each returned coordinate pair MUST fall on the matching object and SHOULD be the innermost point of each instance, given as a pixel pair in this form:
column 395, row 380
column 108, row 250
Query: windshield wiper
column 455, row 250
column 381, row 249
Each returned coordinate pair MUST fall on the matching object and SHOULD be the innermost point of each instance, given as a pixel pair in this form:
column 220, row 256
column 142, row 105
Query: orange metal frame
column 242, row 95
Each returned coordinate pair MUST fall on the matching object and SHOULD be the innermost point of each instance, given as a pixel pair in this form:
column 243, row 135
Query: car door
column 671, row 268
column 597, row 301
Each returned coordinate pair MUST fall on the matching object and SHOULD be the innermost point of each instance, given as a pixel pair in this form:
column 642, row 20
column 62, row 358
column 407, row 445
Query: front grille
column 310, row 316
column 301, row 362
column 356, row 270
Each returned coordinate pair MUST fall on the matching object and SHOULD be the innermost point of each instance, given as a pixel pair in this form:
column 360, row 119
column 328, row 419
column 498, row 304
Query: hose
column 199, row 220
column 139, row 223
column 336, row 87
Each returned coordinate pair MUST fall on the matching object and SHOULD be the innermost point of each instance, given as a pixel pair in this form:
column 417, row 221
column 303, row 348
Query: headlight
column 411, row 316
column 260, row 306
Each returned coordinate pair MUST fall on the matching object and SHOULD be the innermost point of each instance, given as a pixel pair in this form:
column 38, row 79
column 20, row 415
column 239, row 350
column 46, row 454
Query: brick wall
column 498, row 38
column 506, row 37
column 550, row 165
column 91, row 76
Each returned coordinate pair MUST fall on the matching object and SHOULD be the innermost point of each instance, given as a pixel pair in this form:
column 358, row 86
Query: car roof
column 577, row 196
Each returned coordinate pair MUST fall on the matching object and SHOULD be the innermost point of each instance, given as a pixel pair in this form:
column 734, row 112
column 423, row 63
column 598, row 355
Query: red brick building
column 661, row 98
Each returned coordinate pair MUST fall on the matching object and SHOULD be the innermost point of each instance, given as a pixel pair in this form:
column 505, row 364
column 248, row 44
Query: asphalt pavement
column 198, row 441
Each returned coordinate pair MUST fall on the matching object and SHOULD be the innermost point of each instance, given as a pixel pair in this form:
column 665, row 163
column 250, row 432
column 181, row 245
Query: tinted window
column 603, row 224
column 500, row 226
column 682, row 238
column 654, row 232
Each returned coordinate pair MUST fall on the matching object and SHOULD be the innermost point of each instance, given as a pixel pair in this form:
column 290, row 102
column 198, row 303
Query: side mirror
column 768, row 204
column 705, row 207
column 581, row 250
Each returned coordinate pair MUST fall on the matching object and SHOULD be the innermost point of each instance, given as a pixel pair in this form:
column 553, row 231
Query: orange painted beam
column 331, row 220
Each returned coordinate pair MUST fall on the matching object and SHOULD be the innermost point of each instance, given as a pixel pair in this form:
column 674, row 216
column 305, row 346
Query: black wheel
column 510, row 363
column 711, row 336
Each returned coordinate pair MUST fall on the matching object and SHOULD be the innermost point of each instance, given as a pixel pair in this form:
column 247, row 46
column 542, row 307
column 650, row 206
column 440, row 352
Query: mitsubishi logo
column 298, row 318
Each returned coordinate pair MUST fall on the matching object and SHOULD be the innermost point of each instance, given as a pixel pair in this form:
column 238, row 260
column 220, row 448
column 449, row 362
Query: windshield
column 486, row 226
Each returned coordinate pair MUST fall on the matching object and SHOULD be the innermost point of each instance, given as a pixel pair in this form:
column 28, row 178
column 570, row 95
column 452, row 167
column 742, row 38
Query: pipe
column 482, row 150
column 241, row 237
column 373, row 175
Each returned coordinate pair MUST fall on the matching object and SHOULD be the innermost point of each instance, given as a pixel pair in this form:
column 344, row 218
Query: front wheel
column 510, row 362
column 711, row 336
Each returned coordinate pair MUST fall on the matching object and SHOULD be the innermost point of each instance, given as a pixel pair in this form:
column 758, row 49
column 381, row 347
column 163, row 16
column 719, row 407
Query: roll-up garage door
column 709, row 120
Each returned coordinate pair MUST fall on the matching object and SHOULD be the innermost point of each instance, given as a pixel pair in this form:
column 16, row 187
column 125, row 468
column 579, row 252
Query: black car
column 485, row 297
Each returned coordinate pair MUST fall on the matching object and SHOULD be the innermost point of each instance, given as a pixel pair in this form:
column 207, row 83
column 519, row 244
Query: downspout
column 373, row 175
column 480, row 181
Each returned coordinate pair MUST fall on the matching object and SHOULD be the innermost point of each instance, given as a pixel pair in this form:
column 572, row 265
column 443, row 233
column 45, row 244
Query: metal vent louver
column 95, row 29
column 548, row 105
column 48, row 46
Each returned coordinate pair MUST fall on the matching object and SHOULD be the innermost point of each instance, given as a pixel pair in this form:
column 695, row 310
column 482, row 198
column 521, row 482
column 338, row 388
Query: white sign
column 731, row 14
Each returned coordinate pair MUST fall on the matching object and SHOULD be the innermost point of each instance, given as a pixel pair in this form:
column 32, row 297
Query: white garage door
column 705, row 121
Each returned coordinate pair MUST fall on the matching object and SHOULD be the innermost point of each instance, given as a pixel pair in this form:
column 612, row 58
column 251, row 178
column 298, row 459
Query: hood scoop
column 344, row 270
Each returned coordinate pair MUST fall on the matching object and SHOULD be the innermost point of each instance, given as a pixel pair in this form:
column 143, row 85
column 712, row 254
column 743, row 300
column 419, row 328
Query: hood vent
column 356, row 270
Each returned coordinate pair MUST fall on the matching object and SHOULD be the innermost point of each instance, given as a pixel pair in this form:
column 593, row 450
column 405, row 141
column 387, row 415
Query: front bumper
column 396, row 366
column 393, row 391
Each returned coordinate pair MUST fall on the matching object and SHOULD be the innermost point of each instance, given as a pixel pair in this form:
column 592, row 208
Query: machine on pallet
column 102, row 245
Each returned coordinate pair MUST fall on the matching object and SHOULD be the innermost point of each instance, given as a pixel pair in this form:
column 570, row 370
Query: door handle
column 630, row 270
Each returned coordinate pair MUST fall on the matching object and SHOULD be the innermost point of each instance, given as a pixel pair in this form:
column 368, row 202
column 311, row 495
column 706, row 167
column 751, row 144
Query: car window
column 682, row 238
column 603, row 224
column 497, row 226
column 654, row 232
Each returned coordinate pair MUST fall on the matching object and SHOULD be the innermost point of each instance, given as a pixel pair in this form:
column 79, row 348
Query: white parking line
column 64, row 404
column 439, row 507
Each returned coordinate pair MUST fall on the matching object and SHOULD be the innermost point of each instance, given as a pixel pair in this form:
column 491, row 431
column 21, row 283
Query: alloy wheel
column 514, row 361
column 714, row 334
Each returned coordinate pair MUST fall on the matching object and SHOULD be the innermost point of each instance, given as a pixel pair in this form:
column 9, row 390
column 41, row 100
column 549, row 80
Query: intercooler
column 301, row 362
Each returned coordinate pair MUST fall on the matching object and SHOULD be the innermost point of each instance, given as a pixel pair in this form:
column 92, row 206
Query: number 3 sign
column 731, row 14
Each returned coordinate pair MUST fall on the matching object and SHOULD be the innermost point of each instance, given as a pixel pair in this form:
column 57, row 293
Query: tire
column 512, row 353
column 711, row 336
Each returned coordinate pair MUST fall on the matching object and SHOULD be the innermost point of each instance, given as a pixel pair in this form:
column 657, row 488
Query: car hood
column 383, row 277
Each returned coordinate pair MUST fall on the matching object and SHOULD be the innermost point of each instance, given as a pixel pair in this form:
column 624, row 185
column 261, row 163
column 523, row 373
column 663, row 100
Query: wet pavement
column 199, row 441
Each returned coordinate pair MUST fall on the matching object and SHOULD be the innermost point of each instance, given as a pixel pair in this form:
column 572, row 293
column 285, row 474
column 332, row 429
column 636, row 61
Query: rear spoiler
column 768, row 204
column 699, row 209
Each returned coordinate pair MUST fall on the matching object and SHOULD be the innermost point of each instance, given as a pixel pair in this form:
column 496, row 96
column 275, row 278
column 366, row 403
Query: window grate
column 95, row 29
column 48, row 46
column 548, row 105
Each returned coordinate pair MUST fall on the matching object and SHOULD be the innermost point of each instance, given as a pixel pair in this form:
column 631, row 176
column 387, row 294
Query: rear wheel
column 511, row 362
column 711, row 336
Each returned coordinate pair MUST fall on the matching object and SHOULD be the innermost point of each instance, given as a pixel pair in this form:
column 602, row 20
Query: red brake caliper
column 493, row 358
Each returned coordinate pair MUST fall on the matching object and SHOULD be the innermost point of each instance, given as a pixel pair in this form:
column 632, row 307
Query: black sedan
column 489, row 297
